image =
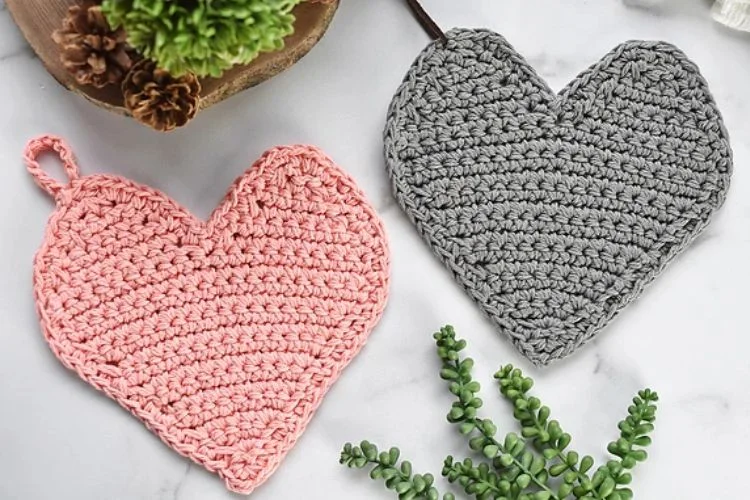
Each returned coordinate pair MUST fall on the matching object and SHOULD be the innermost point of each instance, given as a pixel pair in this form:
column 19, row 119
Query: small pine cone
column 159, row 100
column 91, row 50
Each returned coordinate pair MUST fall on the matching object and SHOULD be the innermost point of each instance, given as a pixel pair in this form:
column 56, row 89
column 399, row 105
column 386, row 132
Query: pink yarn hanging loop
column 50, row 144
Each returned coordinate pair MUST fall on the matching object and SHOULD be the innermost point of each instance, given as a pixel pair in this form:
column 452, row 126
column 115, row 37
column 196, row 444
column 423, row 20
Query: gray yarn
column 553, row 211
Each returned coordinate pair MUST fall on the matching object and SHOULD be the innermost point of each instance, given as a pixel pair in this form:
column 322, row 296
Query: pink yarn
column 221, row 336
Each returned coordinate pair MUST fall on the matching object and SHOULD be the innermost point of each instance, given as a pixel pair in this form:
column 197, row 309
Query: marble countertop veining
column 686, row 337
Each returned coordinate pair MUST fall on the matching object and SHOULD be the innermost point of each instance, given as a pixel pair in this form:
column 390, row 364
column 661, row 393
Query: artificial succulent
column 204, row 37
column 535, row 465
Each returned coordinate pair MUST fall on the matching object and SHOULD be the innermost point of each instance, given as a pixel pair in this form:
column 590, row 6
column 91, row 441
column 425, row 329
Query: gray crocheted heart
column 553, row 211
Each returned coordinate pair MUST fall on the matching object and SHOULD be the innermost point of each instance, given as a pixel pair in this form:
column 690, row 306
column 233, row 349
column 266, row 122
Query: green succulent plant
column 205, row 37
column 535, row 465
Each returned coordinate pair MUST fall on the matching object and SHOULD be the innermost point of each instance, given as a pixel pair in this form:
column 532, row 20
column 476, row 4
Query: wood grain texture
column 37, row 19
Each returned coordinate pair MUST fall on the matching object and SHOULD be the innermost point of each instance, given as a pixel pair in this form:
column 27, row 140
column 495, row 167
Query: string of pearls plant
column 535, row 465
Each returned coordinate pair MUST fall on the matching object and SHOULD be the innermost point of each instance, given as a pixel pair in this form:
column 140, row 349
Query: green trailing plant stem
column 535, row 465
column 397, row 475
column 204, row 37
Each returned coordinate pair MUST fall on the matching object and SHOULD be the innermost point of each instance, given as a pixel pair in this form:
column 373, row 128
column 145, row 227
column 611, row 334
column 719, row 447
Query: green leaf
column 564, row 490
column 408, row 495
column 488, row 428
column 406, row 468
column 370, row 451
column 419, row 483
column 523, row 481
column 511, row 440
column 466, row 427
column 456, row 414
column 477, row 443
column 403, row 487
column 557, row 469
column 537, row 465
column 377, row 472
column 607, row 487
column 506, row 460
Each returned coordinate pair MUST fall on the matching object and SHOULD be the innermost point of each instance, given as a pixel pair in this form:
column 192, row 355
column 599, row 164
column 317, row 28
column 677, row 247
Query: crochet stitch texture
column 553, row 211
column 221, row 336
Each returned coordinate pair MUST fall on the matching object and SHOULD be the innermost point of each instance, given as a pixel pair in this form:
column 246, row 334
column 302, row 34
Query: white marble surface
column 686, row 337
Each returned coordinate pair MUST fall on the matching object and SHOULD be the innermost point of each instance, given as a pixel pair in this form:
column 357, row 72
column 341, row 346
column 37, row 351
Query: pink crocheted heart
column 221, row 336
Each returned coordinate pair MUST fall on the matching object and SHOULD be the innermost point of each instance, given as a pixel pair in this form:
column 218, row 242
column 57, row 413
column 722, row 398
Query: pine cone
column 159, row 100
column 91, row 50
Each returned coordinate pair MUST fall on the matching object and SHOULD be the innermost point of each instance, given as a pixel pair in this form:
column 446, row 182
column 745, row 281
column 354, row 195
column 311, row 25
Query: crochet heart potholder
column 553, row 211
column 223, row 335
